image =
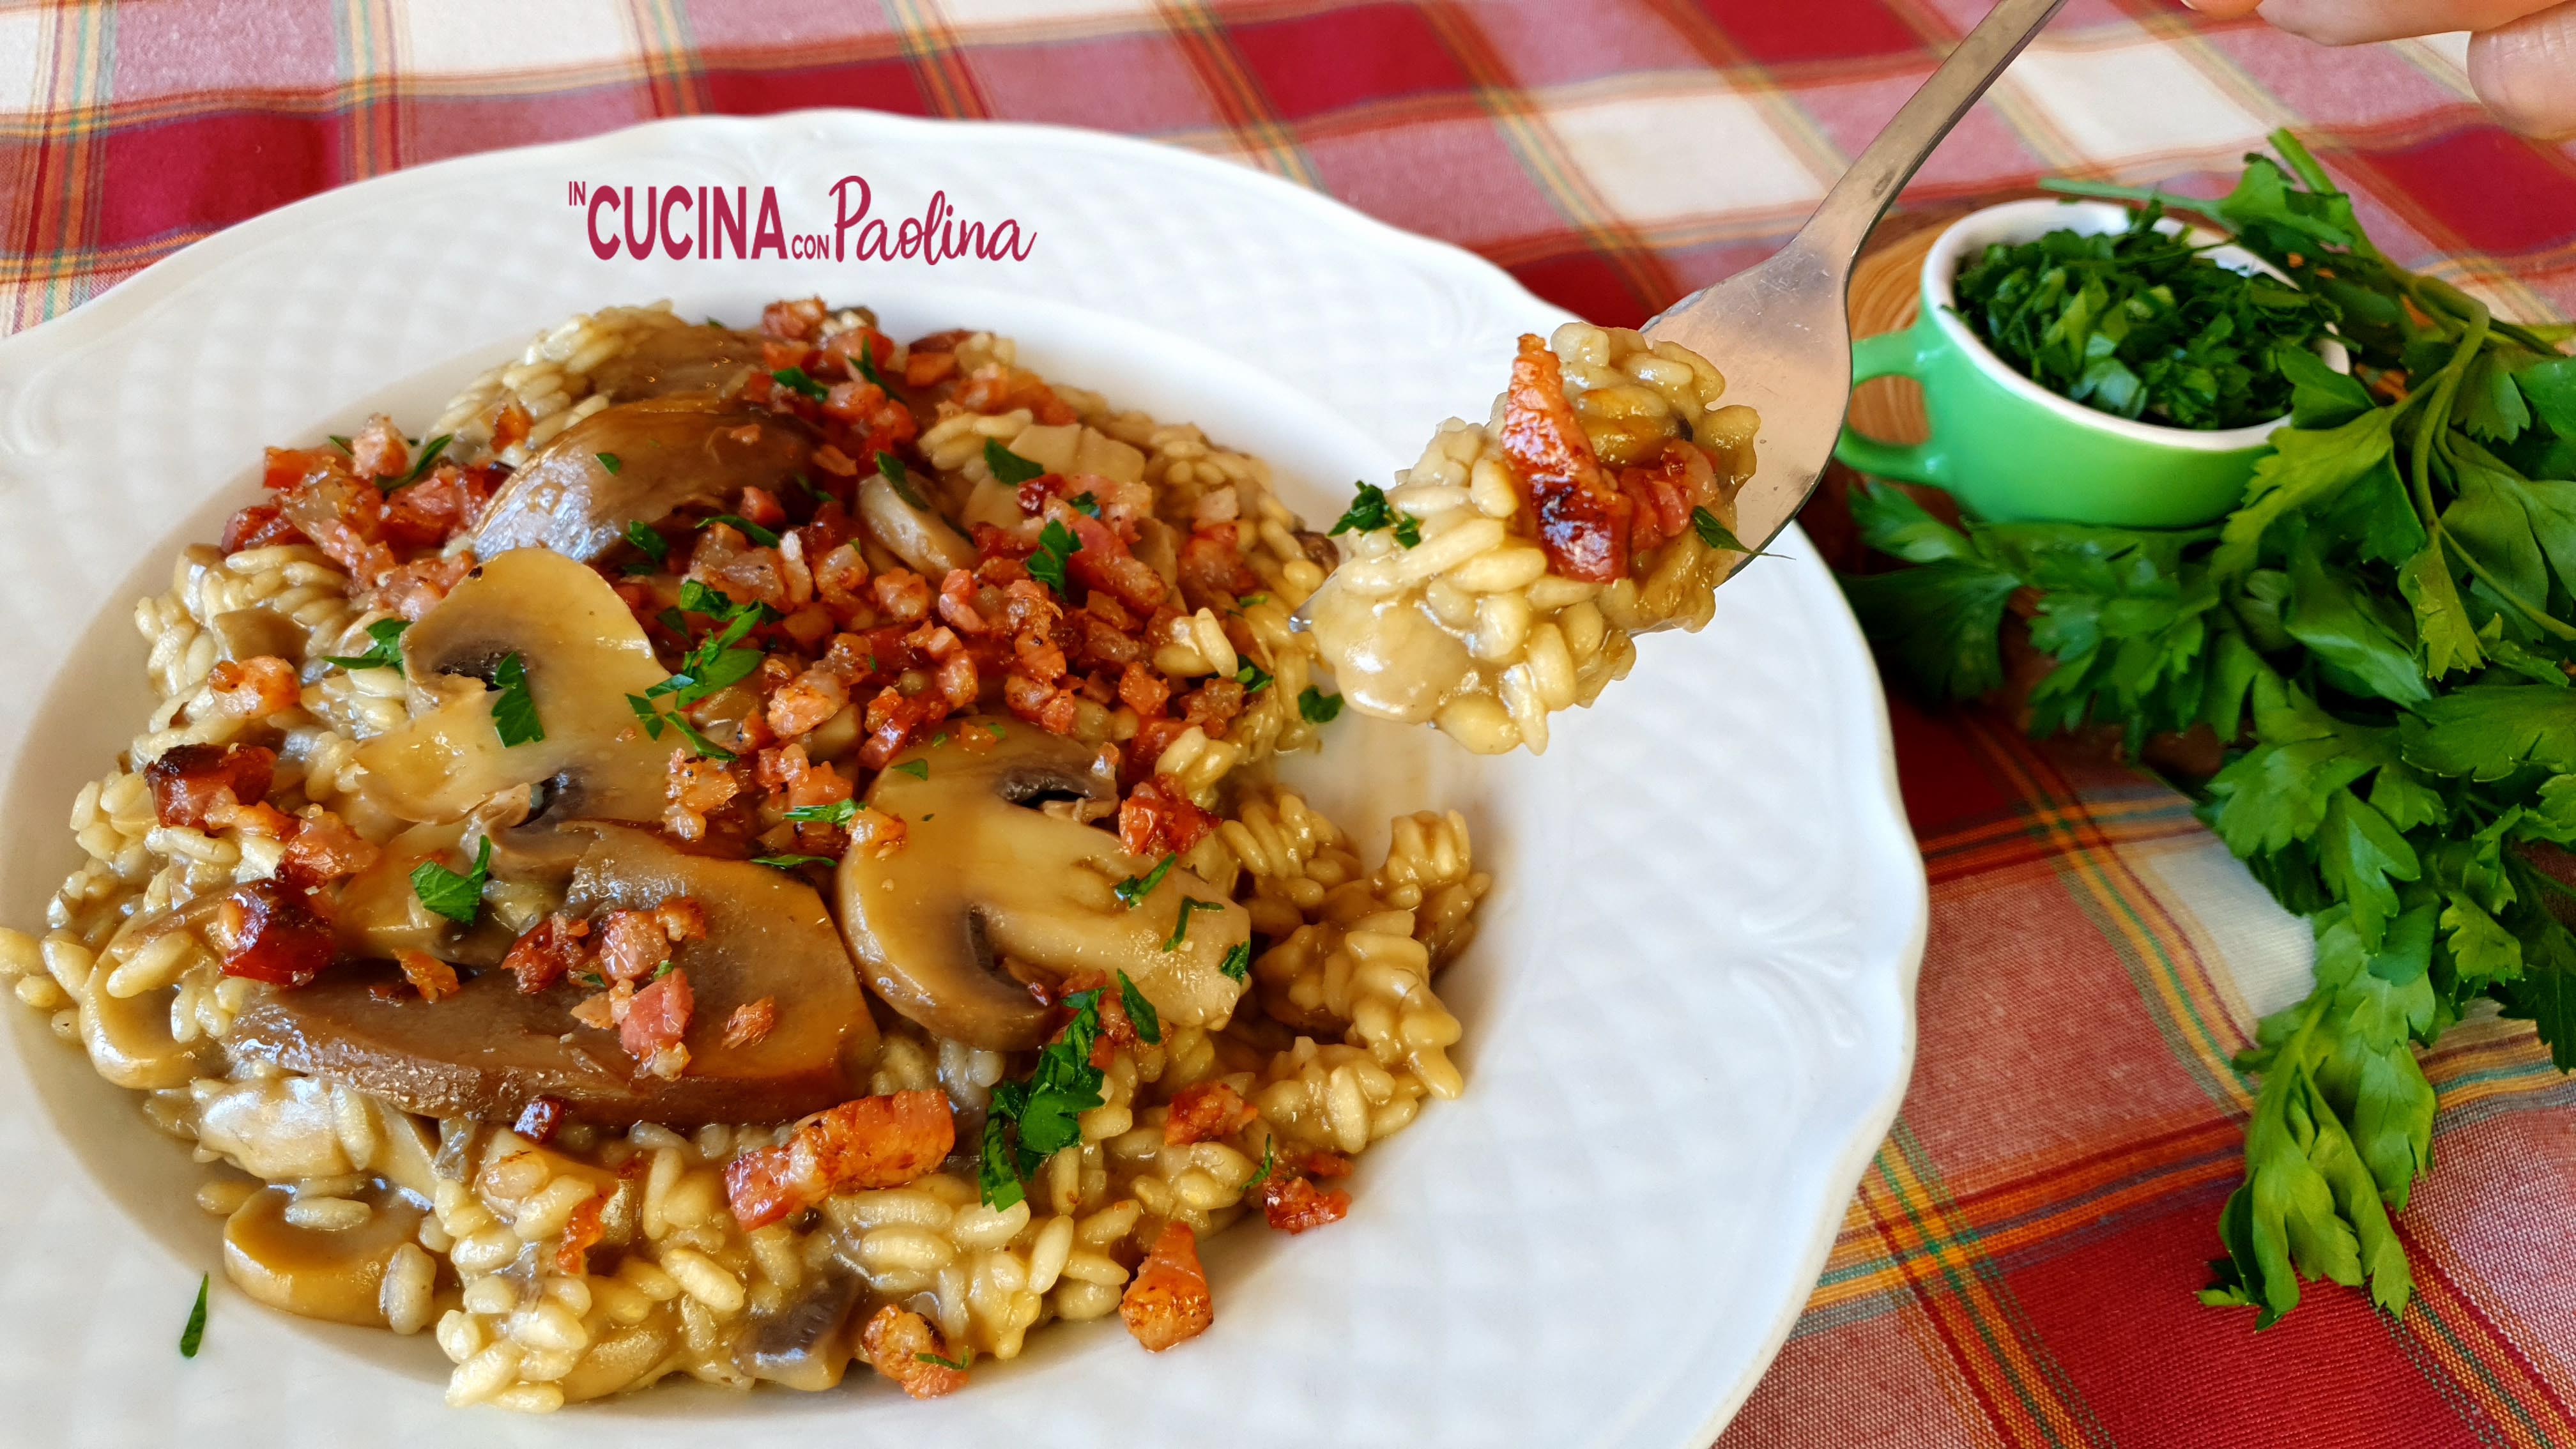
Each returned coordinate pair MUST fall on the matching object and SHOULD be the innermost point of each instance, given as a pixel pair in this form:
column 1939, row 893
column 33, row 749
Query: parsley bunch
column 2140, row 324
column 2383, row 633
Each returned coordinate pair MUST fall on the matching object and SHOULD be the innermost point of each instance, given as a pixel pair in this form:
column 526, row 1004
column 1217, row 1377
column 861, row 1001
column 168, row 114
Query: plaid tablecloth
column 2019, row 1265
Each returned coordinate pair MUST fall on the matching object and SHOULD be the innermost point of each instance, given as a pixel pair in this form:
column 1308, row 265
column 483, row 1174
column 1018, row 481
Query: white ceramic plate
column 1690, row 1013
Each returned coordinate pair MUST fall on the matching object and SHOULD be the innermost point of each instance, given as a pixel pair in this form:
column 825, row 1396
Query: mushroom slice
column 490, row 1050
column 916, row 532
column 635, row 463
column 984, row 873
column 275, row 1127
column 671, row 360
column 583, row 654
column 806, row 1342
column 332, row 1273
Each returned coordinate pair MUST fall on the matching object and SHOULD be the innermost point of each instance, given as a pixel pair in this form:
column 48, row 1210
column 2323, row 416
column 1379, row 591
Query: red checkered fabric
column 2018, row 1267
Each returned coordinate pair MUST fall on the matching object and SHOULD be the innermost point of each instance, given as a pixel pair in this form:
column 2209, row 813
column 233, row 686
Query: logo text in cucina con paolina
column 717, row 223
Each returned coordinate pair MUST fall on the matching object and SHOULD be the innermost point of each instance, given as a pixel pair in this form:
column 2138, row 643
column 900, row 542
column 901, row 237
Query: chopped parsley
column 868, row 369
column 794, row 380
column 1149, row 1025
column 917, row 769
column 457, row 897
column 419, row 470
column 341, row 442
column 1132, row 891
column 714, row 663
column 1248, row 600
column 1181, row 924
column 514, row 710
column 1252, row 677
column 1056, row 545
column 1319, row 707
column 1030, row 1121
column 386, row 653
column 1369, row 511
column 195, row 1333
column 1269, row 1155
column 610, row 461
column 997, row 731
column 891, row 468
column 765, row 537
column 1408, row 529
column 655, row 722
column 839, row 812
column 1716, row 535
column 1009, row 468
column 790, row 862
column 1086, row 504
column 650, row 544
column 1237, row 964
column 946, row 1363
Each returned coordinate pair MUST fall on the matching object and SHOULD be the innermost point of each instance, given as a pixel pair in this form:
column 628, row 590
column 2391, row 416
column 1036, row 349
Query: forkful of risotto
column 1620, row 477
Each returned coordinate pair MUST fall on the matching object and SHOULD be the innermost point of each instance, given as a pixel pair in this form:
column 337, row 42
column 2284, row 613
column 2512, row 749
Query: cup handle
column 1890, row 354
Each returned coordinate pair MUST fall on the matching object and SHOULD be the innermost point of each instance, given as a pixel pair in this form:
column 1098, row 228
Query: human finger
column 2526, row 72
column 2356, row 22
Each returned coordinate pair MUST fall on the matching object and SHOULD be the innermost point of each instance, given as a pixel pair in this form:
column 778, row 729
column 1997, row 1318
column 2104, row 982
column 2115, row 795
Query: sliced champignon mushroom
column 129, row 1040
column 249, row 633
column 983, row 873
column 806, row 1342
column 275, row 1127
column 626, row 1358
column 673, row 360
column 583, row 654
column 490, row 1050
column 330, row 1273
column 636, row 463
column 930, row 544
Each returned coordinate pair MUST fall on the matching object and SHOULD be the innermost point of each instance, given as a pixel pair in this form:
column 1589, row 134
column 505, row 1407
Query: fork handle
column 1843, row 220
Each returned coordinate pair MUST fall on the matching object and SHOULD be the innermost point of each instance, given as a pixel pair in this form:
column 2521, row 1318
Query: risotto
column 1500, row 580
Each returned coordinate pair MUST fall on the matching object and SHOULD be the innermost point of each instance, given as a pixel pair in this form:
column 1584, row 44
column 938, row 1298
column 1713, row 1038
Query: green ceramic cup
column 2009, row 449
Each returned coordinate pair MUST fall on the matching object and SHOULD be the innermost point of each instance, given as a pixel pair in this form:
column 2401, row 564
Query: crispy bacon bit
column 262, row 525
column 900, row 1344
column 1168, row 1302
column 189, row 780
column 289, row 467
column 928, row 369
column 434, row 979
column 324, row 849
column 510, row 424
column 761, row 506
column 750, row 1022
column 1582, row 520
column 378, row 451
column 267, row 933
column 253, row 688
column 877, row 833
column 795, row 321
column 587, row 1225
column 682, row 919
column 810, row 699
column 632, row 944
column 903, row 595
column 1157, row 818
column 1205, row 1111
column 655, row 1021
column 868, row 1143
column 1319, row 1163
column 601, row 1010
column 695, row 787
column 1292, row 1204
column 997, row 389
column 1661, row 494
column 546, row 952
column 540, row 1118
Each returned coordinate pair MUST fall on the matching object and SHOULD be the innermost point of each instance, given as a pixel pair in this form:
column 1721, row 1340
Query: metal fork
column 1780, row 331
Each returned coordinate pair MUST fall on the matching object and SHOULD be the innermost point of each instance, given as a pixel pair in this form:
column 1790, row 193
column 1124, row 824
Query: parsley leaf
column 420, row 467
column 514, row 711
column 610, row 461
column 385, row 653
column 652, row 545
column 794, row 380
column 1032, row 1120
column 1009, row 468
column 1085, row 504
column 839, row 812
column 868, row 370
column 1408, row 529
column 1181, row 922
column 765, row 537
column 1149, row 1026
column 1132, row 891
column 1716, row 535
column 1252, row 677
column 1269, row 1156
column 892, row 470
column 997, row 1180
column 1056, row 545
column 194, row 1334
column 917, row 769
column 790, row 862
column 714, row 663
column 1317, row 706
column 457, row 897
column 1237, row 964
column 1368, row 511
column 946, row 1363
